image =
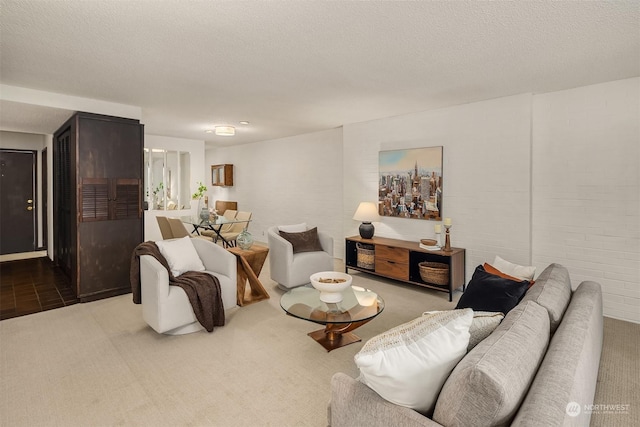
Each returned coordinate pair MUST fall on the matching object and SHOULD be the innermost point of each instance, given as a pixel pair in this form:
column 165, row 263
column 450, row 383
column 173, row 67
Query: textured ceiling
column 297, row 67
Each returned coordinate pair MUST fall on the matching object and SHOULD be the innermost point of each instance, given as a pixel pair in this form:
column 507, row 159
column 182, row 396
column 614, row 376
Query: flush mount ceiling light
column 225, row 130
column 244, row 122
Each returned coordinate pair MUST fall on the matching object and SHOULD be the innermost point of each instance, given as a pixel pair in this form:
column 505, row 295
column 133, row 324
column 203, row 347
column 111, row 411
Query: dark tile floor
column 32, row 285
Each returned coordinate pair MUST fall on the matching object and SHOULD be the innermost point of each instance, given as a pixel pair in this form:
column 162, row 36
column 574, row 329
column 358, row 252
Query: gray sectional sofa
column 538, row 368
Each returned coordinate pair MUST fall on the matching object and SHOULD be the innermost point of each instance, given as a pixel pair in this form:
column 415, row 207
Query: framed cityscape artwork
column 410, row 184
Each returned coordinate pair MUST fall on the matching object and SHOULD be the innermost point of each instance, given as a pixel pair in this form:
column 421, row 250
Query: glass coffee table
column 358, row 306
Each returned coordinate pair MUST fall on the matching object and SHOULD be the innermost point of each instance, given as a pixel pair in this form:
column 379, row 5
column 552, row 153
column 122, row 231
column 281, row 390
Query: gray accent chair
column 290, row 270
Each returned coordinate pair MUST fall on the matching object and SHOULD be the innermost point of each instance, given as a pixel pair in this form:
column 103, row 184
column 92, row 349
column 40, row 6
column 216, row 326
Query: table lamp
column 366, row 213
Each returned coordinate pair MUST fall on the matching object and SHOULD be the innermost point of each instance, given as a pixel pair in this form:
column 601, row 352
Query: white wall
column 586, row 180
column 286, row 181
column 29, row 141
column 486, row 171
column 533, row 178
column 196, row 153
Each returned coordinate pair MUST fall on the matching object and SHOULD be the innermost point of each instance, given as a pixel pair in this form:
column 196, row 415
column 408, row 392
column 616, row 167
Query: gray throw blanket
column 202, row 289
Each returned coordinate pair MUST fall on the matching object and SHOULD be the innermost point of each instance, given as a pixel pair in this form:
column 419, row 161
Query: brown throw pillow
column 306, row 241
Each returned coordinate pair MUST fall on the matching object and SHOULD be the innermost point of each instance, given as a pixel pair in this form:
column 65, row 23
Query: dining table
column 212, row 223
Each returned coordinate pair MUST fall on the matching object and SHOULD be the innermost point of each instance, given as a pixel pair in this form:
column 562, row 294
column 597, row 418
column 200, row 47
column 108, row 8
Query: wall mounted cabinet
column 222, row 175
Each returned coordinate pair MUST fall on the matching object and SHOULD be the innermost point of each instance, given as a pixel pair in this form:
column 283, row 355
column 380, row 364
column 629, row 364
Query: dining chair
column 236, row 228
column 179, row 230
column 225, row 228
column 165, row 227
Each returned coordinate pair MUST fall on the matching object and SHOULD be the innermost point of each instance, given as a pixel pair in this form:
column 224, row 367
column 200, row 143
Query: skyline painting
column 410, row 183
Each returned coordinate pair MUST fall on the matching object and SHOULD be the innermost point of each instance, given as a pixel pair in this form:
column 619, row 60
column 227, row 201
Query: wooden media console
column 399, row 259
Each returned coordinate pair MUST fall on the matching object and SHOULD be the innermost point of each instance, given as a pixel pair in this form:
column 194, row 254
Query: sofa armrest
column 326, row 241
column 216, row 259
column 281, row 246
column 154, row 280
column 280, row 256
column 569, row 370
column 353, row 404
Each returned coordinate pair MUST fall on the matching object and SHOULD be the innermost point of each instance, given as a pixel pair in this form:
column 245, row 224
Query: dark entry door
column 17, row 201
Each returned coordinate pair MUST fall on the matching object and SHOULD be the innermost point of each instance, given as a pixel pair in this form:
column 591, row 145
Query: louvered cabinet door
column 94, row 199
column 127, row 198
column 103, row 199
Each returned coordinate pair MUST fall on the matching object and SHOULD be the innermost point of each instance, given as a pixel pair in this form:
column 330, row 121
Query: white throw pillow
column 408, row 364
column 294, row 228
column 181, row 255
column 515, row 270
column 483, row 323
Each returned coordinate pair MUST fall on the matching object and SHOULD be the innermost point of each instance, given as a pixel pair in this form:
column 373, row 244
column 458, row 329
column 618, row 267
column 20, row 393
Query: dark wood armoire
column 98, row 216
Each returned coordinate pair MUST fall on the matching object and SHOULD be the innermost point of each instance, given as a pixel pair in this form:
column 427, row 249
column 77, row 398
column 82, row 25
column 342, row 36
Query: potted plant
column 156, row 196
column 203, row 209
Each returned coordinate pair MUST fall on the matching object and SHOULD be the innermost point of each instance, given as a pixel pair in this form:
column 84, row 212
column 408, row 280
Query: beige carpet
column 99, row 364
column 618, row 388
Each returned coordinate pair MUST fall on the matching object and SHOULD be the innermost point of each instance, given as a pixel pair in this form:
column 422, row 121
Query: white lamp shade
column 367, row 212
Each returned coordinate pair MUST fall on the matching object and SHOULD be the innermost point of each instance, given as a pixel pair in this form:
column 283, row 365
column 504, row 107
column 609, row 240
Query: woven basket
column 366, row 256
column 434, row 272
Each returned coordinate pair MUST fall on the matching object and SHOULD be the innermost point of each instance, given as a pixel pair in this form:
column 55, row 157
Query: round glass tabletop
column 358, row 304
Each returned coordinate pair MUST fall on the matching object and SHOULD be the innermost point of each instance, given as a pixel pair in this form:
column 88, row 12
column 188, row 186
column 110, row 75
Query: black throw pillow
column 488, row 292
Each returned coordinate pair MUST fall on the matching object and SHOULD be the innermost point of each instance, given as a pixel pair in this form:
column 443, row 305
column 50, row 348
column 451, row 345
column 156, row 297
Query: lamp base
column 366, row 230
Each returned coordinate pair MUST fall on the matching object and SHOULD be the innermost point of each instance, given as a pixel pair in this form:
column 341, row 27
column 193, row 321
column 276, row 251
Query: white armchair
column 166, row 308
column 290, row 270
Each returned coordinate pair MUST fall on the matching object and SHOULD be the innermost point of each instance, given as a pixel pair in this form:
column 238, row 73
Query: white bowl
column 330, row 292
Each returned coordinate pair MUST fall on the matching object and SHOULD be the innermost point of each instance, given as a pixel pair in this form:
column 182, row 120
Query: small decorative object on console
column 244, row 240
column 331, row 284
column 447, row 243
column 429, row 244
column 438, row 230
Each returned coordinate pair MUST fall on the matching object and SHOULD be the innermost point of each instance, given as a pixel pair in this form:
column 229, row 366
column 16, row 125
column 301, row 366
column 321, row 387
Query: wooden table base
column 250, row 262
column 336, row 335
column 332, row 340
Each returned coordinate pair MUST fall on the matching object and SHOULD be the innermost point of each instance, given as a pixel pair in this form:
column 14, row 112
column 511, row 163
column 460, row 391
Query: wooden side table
column 250, row 262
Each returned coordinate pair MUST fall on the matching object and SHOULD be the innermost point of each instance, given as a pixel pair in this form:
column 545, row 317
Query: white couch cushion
column 408, row 364
column 521, row 272
column 180, row 255
column 484, row 322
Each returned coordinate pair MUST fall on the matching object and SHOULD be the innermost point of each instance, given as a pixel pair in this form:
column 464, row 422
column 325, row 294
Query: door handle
column 29, row 208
